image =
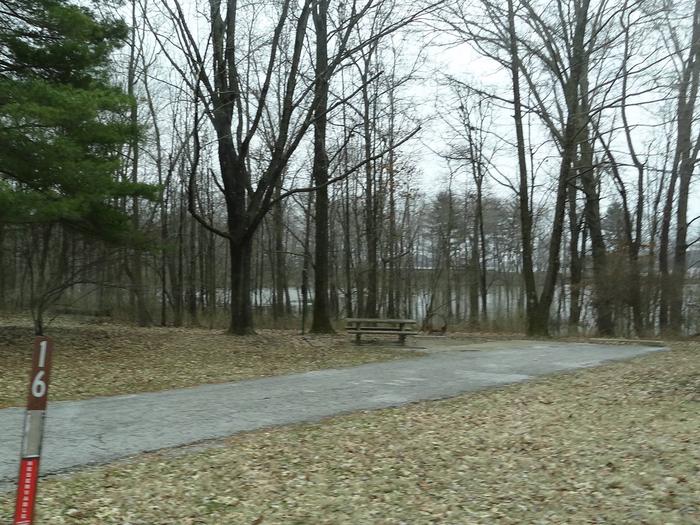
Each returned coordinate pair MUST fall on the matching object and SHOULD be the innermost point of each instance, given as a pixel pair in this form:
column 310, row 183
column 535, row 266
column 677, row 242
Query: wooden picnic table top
column 379, row 331
column 377, row 320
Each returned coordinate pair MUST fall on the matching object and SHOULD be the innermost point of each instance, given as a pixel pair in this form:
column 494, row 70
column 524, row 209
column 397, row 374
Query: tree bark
column 575, row 263
column 537, row 320
column 134, row 265
column 370, row 307
column 321, row 308
column 687, row 154
column 241, row 322
column 602, row 299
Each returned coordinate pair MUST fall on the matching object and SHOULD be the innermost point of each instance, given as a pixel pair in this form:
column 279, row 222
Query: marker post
column 33, row 431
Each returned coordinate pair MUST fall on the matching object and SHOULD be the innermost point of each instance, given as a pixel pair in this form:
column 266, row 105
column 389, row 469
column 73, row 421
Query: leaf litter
column 102, row 360
column 615, row 444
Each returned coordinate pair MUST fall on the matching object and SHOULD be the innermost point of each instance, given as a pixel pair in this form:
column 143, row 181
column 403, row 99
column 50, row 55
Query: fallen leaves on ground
column 105, row 360
column 616, row 444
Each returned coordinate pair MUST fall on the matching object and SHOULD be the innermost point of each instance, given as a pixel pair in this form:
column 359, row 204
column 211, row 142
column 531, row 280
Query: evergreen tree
column 62, row 123
column 63, row 126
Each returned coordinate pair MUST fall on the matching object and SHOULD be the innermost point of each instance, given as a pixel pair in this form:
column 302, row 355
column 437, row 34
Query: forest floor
column 613, row 444
column 108, row 359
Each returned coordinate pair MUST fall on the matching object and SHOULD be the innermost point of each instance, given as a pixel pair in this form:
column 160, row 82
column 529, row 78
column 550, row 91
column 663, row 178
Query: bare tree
column 684, row 161
column 236, row 93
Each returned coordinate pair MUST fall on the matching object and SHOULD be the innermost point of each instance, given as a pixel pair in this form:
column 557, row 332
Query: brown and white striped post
column 33, row 431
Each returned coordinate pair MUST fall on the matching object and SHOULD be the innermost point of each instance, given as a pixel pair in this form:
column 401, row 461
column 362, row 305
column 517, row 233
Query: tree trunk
column 482, row 249
column 687, row 156
column 241, row 307
column 535, row 324
column 177, row 267
column 575, row 263
column 664, row 238
column 279, row 307
column 321, row 308
column 347, row 252
column 474, row 284
column 602, row 299
column 305, row 265
column 370, row 307
column 3, row 269
column 192, row 274
column 135, row 272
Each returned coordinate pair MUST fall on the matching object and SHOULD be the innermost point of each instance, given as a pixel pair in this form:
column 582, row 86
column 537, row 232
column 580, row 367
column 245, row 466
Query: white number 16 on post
column 33, row 431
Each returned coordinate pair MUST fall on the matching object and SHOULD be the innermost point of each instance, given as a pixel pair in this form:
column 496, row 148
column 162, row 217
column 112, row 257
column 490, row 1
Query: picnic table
column 400, row 327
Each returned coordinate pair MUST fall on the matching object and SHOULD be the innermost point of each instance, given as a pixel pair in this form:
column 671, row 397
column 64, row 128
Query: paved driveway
column 103, row 429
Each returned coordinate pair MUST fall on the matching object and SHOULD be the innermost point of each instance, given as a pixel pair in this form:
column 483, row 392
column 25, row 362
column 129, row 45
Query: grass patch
column 616, row 444
column 106, row 360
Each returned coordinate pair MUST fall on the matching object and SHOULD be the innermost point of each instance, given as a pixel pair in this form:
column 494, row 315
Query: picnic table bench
column 399, row 327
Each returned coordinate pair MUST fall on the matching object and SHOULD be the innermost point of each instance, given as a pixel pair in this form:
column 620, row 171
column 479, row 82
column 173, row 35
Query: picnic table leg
column 357, row 338
column 402, row 339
